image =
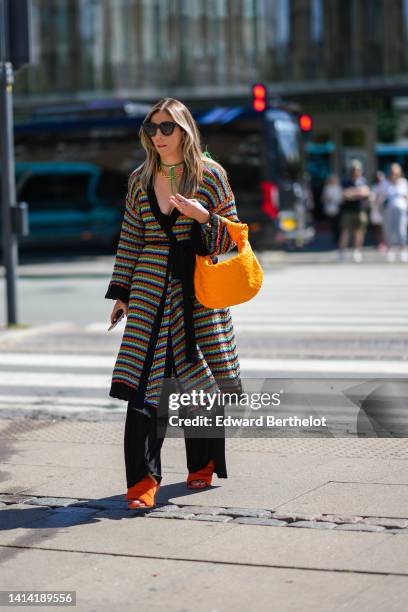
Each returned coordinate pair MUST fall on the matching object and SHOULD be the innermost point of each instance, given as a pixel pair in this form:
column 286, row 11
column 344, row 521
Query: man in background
column 354, row 211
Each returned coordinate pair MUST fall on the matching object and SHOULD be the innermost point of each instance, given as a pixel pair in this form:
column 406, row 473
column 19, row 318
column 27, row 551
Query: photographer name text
column 259, row 421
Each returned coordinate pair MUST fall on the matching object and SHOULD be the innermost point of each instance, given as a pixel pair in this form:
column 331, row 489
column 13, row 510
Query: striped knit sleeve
column 131, row 241
column 222, row 204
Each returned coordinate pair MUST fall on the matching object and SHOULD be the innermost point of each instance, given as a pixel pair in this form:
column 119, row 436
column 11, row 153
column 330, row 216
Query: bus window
column 287, row 157
column 112, row 187
column 287, row 135
column 56, row 192
column 244, row 163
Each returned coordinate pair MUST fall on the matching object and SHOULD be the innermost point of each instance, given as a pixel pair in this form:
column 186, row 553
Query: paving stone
column 52, row 501
column 254, row 512
column 284, row 516
column 15, row 499
column 202, row 509
column 314, row 524
column 252, row 520
column 307, row 517
column 165, row 508
column 217, row 518
column 386, row 522
column 296, row 516
column 398, row 531
column 170, row 514
column 340, row 518
column 113, row 514
column 359, row 527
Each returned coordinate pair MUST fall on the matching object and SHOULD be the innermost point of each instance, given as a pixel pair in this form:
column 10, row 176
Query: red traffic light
column 305, row 122
column 259, row 93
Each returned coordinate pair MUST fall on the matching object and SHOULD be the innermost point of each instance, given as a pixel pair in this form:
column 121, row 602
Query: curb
column 7, row 334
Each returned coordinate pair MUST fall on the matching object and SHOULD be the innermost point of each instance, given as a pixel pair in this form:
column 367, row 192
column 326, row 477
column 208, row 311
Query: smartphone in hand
column 120, row 314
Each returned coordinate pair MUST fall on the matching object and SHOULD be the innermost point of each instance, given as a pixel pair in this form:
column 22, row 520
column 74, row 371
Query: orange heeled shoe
column 205, row 475
column 144, row 491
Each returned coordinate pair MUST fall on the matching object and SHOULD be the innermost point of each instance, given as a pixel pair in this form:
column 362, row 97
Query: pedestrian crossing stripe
column 35, row 361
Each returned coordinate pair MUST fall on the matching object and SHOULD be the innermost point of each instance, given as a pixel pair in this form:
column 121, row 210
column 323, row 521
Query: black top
column 181, row 262
column 354, row 205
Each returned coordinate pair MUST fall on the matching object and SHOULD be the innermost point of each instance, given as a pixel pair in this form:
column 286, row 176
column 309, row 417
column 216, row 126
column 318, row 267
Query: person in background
column 395, row 213
column 353, row 215
column 331, row 198
column 376, row 210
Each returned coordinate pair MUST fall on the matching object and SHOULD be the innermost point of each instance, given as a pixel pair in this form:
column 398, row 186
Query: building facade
column 144, row 48
column 344, row 61
column 213, row 47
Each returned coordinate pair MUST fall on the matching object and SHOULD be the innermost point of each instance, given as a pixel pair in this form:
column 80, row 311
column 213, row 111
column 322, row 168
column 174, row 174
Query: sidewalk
column 299, row 522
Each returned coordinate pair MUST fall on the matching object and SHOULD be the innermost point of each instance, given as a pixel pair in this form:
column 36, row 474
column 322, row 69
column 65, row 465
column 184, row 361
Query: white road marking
column 86, row 402
column 57, row 360
column 55, row 380
column 302, row 324
column 88, row 380
column 61, row 408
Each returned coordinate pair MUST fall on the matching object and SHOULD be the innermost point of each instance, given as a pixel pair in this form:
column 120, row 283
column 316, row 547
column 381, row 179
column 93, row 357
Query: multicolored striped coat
column 148, row 277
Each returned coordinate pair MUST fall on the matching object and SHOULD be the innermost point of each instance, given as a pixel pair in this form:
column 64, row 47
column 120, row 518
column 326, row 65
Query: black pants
column 142, row 444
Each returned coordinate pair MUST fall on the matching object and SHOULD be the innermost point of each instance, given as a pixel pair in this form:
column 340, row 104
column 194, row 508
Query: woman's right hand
column 119, row 305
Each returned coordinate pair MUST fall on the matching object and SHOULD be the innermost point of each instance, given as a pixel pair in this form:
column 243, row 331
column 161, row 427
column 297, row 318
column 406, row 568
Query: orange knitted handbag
column 232, row 281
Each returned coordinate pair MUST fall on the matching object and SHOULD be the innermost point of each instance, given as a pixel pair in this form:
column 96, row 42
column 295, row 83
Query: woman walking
column 175, row 204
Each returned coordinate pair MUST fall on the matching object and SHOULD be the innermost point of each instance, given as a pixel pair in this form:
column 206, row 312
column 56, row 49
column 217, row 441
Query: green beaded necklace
column 172, row 175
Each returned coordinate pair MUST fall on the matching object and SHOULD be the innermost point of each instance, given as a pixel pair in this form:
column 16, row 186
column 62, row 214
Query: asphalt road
column 312, row 317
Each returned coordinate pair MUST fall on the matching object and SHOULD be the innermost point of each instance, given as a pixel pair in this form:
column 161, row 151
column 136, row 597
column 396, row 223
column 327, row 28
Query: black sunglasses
column 166, row 127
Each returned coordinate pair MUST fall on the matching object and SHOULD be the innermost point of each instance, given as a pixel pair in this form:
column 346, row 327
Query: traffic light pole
column 8, row 188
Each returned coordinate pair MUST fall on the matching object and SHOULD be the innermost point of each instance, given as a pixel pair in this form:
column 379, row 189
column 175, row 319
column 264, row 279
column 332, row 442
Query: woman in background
column 396, row 213
column 376, row 208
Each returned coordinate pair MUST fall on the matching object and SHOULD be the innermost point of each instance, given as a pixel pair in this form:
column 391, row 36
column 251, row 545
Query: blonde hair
column 193, row 155
column 397, row 168
column 356, row 164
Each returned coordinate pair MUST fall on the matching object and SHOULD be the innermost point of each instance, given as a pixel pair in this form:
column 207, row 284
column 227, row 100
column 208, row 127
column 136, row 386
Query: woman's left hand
column 190, row 208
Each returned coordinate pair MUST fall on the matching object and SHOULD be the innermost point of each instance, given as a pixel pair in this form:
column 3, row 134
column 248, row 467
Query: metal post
column 8, row 188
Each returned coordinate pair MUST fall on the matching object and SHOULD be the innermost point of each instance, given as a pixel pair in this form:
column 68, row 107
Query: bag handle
column 237, row 230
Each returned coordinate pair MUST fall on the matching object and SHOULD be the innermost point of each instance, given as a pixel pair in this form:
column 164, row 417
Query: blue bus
column 69, row 203
column 83, row 201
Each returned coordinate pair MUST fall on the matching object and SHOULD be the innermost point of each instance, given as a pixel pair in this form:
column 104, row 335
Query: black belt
column 182, row 264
